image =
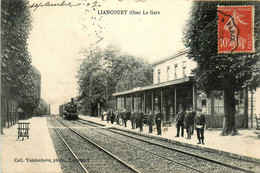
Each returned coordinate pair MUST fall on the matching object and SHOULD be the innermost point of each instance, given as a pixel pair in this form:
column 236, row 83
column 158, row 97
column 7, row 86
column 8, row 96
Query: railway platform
column 35, row 154
column 245, row 146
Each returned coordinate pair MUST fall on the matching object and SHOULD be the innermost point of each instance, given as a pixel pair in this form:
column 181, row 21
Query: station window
column 159, row 76
column 168, row 71
column 239, row 97
column 218, row 102
column 175, row 71
column 184, row 68
column 203, row 102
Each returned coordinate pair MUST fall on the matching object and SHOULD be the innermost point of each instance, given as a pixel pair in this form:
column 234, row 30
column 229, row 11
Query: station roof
column 156, row 86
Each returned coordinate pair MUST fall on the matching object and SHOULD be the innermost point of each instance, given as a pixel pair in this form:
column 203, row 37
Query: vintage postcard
column 130, row 86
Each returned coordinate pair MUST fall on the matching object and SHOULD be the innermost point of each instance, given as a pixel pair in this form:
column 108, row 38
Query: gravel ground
column 141, row 160
column 203, row 165
column 94, row 159
column 232, row 161
column 155, row 164
column 63, row 154
column 226, row 159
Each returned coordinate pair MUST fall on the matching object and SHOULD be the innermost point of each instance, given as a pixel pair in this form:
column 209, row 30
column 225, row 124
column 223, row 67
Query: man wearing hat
column 180, row 124
column 199, row 124
column 133, row 119
column 158, row 120
column 150, row 121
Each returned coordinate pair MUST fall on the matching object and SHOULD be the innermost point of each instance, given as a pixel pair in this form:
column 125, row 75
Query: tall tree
column 138, row 74
column 126, row 71
column 105, row 71
column 30, row 94
column 92, row 80
column 15, row 60
column 16, row 25
column 228, row 72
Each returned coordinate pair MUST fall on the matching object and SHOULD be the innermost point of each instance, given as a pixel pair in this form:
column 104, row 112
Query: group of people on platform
column 117, row 116
column 190, row 119
column 136, row 117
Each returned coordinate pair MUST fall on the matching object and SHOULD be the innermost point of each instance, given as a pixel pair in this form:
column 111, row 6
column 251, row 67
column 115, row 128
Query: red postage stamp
column 235, row 29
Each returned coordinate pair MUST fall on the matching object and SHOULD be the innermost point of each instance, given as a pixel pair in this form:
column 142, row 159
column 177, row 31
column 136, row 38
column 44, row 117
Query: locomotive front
column 70, row 110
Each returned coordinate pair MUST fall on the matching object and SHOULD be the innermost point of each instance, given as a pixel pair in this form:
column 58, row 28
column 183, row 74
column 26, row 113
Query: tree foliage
column 126, row 71
column 228, row 72
column 19, row 79
column 41, row 109
column 92, row 80
column 106, row 71
column 16, row 25
column 137, row 73
column 30, row 93
column 215, row 70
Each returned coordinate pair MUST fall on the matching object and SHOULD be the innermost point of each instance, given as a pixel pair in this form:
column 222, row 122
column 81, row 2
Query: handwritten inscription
column 92, row 14
column 35, row 6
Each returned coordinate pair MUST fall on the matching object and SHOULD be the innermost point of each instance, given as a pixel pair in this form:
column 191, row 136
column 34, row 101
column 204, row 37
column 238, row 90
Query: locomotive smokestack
column 72, row 100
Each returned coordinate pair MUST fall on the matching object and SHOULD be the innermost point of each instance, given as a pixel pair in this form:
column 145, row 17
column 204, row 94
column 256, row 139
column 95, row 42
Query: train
column 69, row 110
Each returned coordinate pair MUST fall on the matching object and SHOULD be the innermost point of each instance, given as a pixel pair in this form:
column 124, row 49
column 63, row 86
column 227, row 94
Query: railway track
column 136, row 156
column 98, row 159
column 225, row 166
column 69, row 148
column 84, row 122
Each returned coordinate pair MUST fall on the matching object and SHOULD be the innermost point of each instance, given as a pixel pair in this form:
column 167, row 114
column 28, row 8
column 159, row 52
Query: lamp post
column 98, row 109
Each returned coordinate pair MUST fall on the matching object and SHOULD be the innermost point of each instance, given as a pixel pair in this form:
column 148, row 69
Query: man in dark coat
column 124, row 117
column 188, row 123
column 193, row 114
column 140, row 119
column 150, row 121
column 133, row 119
column 108, row 115
column 102, row 114
column 180, row 119
column 117, row 117
column 128, row 116
column 120, row 115
column 137, row 119
column 199, row 124
column 112, row 116
column 158, row 121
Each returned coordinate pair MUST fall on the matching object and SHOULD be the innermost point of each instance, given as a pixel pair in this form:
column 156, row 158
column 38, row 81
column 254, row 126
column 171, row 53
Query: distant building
column 174, row 87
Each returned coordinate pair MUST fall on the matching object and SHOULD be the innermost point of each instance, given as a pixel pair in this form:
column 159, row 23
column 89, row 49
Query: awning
column 155, row 86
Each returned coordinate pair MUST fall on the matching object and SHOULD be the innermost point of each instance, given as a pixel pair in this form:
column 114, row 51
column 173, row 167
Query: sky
column 59, row 34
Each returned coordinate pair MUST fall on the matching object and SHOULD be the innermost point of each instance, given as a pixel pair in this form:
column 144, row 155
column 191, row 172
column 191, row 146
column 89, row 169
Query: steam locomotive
column 69, row 110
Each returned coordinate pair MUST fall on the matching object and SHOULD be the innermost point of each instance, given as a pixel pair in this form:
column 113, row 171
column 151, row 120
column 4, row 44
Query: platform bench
column 23, row 129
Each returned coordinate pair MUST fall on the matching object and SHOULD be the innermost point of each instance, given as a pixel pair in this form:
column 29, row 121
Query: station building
column 174, row 87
